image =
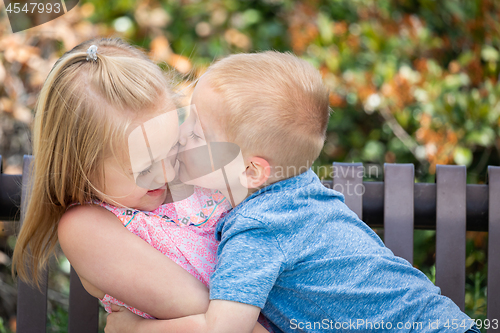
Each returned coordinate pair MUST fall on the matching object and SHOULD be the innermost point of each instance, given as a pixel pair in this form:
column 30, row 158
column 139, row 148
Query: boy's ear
column 257, row 172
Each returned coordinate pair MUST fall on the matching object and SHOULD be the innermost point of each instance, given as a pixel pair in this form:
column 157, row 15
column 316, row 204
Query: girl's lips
column 157, row 192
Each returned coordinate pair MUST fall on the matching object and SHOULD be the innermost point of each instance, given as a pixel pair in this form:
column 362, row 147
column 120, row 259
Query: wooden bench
column 399, row 205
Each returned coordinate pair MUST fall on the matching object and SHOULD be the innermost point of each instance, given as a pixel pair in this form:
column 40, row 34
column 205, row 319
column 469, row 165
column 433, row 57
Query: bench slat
column 493, row 307
column 398, row 209
column 450, row 231
column 83, row 308
column 31, row 303
column 348, row 180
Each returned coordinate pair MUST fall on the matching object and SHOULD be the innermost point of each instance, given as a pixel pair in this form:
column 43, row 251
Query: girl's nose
column 160, row 177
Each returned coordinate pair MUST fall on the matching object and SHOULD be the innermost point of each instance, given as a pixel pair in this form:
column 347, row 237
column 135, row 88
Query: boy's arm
column 249, row 262
column 108, row 256
column 222, row 316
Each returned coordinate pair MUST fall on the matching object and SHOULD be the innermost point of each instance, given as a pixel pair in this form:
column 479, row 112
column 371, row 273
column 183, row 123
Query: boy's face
column 209, row 105
column 196, row 133
column 216, row 164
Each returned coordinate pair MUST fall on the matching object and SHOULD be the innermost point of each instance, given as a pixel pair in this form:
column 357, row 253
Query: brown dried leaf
column 238, row 39
column 160, row 49
column 22, row 113
column 180, row 63
column 152, row 18
column 6, row 104
column 2, row 73
column 4, row 259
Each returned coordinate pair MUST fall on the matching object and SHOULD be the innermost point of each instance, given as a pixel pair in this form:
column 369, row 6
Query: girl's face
column 141, row 181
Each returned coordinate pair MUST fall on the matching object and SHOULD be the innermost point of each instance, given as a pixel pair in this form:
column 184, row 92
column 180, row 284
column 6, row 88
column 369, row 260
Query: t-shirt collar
column 285, row 184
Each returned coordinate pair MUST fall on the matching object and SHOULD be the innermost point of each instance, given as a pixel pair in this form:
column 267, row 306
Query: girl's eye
column 145, row 171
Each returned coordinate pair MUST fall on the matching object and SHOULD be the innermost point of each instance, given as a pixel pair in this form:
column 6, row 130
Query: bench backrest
column 398, row 204
column 450, row 206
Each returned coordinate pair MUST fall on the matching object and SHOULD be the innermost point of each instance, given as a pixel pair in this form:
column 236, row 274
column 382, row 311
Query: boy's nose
column 182, row 139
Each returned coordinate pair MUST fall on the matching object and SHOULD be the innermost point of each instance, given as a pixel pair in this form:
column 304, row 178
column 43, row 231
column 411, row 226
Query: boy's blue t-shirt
column 298, row 252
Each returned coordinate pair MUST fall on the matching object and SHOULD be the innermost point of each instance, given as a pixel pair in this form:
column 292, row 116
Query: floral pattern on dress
column 184, row 231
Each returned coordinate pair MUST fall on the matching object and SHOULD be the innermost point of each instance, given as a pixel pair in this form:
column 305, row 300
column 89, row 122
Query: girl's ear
column 257, row 172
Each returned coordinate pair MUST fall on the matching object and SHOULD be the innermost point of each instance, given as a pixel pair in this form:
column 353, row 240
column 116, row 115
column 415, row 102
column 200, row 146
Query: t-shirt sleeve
column 249, row 262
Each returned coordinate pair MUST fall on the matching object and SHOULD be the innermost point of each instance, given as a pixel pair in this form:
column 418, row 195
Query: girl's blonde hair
column 81, row 117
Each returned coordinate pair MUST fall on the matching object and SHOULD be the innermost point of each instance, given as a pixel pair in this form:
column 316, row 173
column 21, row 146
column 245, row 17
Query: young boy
column 292, row 249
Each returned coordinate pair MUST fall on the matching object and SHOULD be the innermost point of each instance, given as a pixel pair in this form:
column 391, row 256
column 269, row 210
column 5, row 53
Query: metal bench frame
column 398, row 204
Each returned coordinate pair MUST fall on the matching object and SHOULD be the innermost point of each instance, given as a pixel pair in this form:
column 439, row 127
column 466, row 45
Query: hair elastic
column 92, row 53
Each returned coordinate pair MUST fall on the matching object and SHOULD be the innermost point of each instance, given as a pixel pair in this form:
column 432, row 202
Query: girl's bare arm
column 111, row 259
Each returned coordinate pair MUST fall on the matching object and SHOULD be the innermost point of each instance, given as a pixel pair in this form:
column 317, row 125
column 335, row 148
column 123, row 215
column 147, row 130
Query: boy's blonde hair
column 275, row 106
column 81, row 117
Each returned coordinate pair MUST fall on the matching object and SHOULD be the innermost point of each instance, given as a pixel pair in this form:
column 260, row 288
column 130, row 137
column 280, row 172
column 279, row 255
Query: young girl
column 85, row 188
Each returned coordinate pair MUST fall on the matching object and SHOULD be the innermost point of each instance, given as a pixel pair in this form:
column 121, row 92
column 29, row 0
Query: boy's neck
column 250, row 191
column 235, row 192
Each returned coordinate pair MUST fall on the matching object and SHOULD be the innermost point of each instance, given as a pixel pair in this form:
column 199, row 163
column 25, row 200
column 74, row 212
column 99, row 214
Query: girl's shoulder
column 124, row 214
column 98, row 203
column 114, row 209
column 77, row 211
column 79, row 215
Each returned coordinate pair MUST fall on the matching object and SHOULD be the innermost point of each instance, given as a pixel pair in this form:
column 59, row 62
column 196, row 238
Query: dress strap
column 72, row 205
column 94, row 202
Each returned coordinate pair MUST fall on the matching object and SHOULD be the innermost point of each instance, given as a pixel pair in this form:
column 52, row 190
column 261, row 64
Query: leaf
column 462, row 156
column 484, row 137
column 251, row 16
column 373, row 151
column 23, row 114
column 2, row 73
column 160, row 49
column 180, row 63
column 325, row 27
column 489, row 53
column 64, row 264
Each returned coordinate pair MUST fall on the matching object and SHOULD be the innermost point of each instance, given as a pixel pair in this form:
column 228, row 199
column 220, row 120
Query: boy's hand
column 121, row 320
column 222, row 317
column 116, row 308
column 228, row 316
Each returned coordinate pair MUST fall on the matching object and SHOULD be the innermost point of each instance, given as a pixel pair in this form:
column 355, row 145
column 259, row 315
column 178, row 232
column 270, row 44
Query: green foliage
column 4, row 329
column 58, row 320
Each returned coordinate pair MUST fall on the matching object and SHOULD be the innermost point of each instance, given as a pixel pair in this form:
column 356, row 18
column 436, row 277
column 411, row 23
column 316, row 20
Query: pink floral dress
column 184, row 231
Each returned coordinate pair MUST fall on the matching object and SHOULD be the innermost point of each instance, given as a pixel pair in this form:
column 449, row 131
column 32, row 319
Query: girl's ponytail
column 81, row 117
